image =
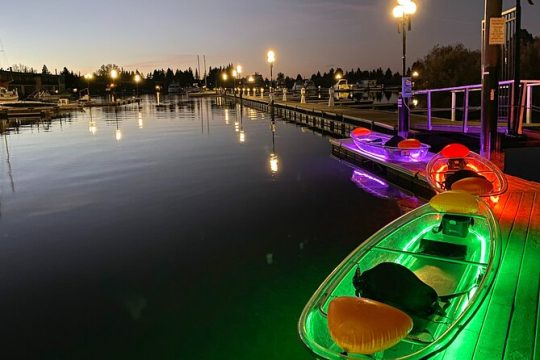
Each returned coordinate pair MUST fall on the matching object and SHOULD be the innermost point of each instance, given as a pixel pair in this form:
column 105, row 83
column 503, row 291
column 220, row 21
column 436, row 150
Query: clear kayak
column 444, row 169
column 375, row 144
column 447, row 246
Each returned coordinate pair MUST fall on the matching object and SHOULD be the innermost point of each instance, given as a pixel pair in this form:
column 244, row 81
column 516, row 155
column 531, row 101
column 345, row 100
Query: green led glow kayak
column 449, row 246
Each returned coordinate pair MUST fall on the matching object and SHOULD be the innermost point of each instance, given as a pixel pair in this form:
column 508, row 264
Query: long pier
column 347, row 117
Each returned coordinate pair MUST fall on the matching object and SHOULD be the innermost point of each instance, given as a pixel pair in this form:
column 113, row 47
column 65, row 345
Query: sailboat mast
column 204, row 61
column 199, row 69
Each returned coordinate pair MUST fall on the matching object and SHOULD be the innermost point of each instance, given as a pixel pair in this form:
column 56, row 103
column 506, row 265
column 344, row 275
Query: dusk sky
column 307, row 35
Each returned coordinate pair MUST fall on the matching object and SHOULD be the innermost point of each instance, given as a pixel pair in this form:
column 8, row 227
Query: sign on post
column 497, row 31
column 406, row 87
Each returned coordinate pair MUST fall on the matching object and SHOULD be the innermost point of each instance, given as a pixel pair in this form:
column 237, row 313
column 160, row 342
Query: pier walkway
column 507, row 326
column 375, row 119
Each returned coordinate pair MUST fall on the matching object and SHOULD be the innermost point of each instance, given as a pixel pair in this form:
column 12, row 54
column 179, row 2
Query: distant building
column 26, row 82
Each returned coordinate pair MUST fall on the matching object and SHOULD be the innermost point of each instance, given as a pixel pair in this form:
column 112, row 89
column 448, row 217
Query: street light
column 403, row 11
column 137, row 80
column 271, row 58
column 224, row 77
column 234, row 75
column 114, row 75
column 238, row 74
column 88, row 77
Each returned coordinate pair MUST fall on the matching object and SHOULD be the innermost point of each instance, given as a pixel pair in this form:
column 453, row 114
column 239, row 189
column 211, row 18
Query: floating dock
column 381, row 120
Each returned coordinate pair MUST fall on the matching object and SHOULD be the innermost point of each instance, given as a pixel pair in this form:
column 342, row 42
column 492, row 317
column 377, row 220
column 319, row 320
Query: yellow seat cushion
column 364, row 326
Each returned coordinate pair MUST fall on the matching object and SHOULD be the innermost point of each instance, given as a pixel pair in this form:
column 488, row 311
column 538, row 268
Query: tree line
column 443, row 66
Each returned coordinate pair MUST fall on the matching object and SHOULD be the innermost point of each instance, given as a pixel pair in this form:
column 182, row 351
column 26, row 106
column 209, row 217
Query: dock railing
column 508, row 111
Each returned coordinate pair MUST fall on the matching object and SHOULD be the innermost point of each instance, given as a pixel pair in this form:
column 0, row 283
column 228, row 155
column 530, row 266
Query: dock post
column 491, row 54
column 403, row 118
column 429, row 122
column 528, row 119
column 466, row 111
column 331, row 97
column 453, row 118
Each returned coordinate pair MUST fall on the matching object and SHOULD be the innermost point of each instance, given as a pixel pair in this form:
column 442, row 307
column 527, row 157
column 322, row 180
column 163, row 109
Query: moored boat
column 451, row 246
column 456, row 167
column 6, row 95
column 379, row 145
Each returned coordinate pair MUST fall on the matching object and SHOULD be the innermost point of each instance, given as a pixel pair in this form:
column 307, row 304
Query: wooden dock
column 507, row 326
column 382, row 120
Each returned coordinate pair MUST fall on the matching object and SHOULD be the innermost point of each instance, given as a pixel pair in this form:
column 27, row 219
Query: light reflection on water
column 193, row 230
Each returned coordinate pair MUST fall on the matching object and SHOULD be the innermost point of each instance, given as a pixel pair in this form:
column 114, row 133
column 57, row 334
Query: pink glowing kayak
column 375, row 144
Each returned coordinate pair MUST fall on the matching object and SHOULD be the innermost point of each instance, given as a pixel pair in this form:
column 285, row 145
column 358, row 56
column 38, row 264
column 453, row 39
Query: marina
column 270, row 180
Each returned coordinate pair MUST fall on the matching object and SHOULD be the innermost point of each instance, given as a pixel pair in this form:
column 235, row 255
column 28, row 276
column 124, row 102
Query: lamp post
column 137, row 80
column 88, row 77
column 403, row 11
column 114, row 75
column 251, row 81
column 238, row 73
column 224, row 78
column 234, row 75
column 271, row 58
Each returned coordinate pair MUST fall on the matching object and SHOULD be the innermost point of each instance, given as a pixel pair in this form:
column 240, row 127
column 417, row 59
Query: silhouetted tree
column 447, row 66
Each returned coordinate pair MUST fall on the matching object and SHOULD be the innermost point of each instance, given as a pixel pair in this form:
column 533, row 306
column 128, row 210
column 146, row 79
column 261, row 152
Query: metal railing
column 508, row 111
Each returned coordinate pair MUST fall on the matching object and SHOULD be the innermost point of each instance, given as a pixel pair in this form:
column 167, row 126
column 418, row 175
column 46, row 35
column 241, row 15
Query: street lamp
column 224, row 77
column 114, row 75
column 238, row 73
column 137, row 80
column 271, row 58
column 88, row 77
column 234, row 75
column 403, row 11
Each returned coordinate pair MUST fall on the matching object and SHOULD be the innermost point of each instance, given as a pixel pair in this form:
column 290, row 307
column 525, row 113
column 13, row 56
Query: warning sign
column 496, row 31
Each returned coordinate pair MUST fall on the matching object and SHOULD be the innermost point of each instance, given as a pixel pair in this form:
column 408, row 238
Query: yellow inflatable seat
column 365, row 326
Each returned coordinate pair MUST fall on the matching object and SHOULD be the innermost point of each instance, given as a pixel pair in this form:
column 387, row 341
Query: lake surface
column 168, row 232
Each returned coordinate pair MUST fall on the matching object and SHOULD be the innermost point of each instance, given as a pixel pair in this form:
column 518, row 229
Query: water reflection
column 8, row 161
column 141, row 125
column 92, row 127
column 118, row 132
column 162, row 217
column 274, row 162
column 381, row 188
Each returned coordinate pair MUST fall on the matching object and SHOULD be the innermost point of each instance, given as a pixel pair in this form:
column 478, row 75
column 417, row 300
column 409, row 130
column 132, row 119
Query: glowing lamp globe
column 452, row 151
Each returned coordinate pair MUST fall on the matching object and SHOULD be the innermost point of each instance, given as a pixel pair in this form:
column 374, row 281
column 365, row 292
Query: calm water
column 158, row 234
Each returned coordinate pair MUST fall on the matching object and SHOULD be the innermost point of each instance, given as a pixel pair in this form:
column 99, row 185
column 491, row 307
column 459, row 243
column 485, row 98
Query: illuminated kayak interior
column 455, row 167
column 377, row 144
column 451, row 245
